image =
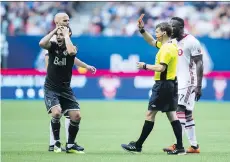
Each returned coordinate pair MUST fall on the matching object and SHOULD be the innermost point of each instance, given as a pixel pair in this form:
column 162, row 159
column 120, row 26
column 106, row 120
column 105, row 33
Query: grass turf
column 104, row 126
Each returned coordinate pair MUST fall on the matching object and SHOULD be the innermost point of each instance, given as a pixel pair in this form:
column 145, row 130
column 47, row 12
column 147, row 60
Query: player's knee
column 172, row 116
column 181, row 113
column 56, row 112
column 75, row 115
column 181, row 108
column 188, row 115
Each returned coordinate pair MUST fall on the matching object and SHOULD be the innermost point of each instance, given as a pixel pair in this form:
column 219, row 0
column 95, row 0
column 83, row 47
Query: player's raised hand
column 140, row 22
column 65, row 30
column 140, row 65
column 92, row 69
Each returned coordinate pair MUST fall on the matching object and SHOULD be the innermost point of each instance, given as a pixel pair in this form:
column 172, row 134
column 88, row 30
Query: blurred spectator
column 4, row 51
column 201, row 18
column 117, row 18
column 31, row 18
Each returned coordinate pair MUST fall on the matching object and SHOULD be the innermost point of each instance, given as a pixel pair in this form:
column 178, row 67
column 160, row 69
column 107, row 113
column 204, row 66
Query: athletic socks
column 52, row 141
column 147, row 128
column 73, row 130
column 181, row 118
column 67, row 123
column 178, row 132
column 191, row 133
column 55, row 124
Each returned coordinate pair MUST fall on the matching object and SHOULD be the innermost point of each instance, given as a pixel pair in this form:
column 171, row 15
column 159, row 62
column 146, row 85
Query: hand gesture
column 198, row 93
column 140, row 65
column 140, row 22
column 75, row 49
column 92, row 69
column 65, row 30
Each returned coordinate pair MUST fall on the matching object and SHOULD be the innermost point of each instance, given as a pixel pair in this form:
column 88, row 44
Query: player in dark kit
column 59, row 97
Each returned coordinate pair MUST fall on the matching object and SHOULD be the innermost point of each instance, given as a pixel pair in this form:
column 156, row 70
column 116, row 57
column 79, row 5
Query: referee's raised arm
column 147, row 36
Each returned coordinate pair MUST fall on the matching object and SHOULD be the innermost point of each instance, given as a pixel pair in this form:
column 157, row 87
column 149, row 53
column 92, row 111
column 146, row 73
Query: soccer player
column 63, row 19
column 164, row 92
column 59, row 97
column 79, row 63
column 59, row 19
column 189, row 73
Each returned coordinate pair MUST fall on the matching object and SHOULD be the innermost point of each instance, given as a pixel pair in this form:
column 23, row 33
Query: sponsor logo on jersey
column 59, row 62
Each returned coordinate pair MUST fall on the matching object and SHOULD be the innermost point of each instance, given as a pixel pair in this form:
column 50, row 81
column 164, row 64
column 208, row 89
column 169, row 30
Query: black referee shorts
column 164, row 96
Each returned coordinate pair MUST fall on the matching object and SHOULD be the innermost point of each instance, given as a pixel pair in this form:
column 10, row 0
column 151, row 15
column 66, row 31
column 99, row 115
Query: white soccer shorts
column 186, row 97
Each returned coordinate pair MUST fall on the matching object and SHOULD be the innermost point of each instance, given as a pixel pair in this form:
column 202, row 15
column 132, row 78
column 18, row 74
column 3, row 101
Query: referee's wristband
column 145, row 66
column 142, row 31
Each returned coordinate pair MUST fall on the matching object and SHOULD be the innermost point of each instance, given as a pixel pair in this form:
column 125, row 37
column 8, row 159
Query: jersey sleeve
column 165, row 56
column 158, row 44
column 195, row 48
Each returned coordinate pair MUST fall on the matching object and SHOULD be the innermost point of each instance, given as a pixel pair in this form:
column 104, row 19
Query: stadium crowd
column 201, row 18
column 31, row 18
column 118, row 18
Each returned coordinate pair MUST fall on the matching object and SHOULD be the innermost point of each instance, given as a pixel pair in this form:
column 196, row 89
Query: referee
column 164, row 92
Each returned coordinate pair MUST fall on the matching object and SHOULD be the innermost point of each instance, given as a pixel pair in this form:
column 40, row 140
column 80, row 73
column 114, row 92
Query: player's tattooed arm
column 45, row 41
column 71, row 49
column 199, row 70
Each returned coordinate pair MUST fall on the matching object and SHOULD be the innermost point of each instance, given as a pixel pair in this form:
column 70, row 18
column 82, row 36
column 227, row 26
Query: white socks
column 191, row 133
column 67, row 122
column 181, row 118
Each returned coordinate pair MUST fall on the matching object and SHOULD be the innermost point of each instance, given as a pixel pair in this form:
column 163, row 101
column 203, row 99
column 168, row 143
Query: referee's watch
column 142, row 30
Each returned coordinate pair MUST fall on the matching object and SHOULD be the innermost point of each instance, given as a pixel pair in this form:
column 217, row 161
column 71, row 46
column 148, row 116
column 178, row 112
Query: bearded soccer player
column 189, row 73
column 77, row 63
column 59, row 97
column 164, row 92
column 59, row 19
column 63, row 19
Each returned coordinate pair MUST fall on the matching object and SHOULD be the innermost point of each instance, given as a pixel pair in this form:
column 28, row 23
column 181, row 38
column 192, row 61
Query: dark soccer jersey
column 59, row 72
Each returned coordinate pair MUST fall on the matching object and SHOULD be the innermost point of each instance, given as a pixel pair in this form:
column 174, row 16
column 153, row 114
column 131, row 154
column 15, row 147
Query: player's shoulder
column 191, row 39
column 173, row 43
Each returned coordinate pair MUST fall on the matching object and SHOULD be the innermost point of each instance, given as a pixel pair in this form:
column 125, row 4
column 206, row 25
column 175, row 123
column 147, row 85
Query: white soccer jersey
column 186, row 69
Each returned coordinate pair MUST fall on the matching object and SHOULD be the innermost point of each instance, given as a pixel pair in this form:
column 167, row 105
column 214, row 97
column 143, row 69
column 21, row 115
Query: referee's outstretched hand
column 140, row 65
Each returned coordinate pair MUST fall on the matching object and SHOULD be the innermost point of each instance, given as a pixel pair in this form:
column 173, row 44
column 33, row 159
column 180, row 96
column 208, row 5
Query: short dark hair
column 164, row 26
column 180, row 20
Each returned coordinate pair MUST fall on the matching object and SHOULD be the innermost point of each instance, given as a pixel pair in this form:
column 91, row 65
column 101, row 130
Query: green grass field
column 104, row 126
